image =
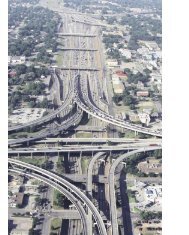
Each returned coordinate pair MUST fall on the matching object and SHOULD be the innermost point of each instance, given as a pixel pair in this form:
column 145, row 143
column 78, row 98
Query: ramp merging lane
column 64, row 183
column 46, row 118
column 74, row 120
column 113, row 208
column 62, row 190
column 98, row 113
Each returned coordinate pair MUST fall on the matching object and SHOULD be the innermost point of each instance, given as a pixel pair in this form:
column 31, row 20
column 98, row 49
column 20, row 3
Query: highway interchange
column 83, row 94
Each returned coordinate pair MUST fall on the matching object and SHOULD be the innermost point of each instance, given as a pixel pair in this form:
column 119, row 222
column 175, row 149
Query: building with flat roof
column 112, row 63
column 117, row 84
column 144, row 118
column 142, row 93
column 20, row 225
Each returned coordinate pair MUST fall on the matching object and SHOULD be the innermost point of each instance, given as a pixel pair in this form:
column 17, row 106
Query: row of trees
column 135, row 78
column 109, row 40
column 33, row 88
column 32, row 71
column 131, row 166
column 61, row 200
column 126, row 98
column 149, row 215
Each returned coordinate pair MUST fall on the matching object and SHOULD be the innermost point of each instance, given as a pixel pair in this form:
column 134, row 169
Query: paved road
column 71, row 121
column 64, row 214
column 93, row 110
column 112, row 189
column 82, row 148
column 41, row 173
column 46, row 117
column 57, row 186
column 99, row 140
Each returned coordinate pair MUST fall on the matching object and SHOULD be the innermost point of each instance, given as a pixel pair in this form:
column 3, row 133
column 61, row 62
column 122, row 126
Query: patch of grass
column 132, row 200
column 84, row 164
column 56, row 224
column 60, row 166
column 20, row 135
column 34, row 161
column 59, row 58
column 84, row 135
column 145, row 105
column 136, row 210
column 130, row 134
column 55, row 200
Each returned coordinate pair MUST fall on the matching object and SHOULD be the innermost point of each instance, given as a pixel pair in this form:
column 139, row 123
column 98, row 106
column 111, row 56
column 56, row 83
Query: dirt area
column 25, row 115
column 22, row 224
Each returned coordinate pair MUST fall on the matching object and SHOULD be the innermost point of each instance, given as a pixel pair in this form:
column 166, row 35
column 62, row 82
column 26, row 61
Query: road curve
column 77, row 193
column 89, row 180
column 113, row 208
column 63, row 191
column 90, row 172
column 74, row 120
column 46, row 117
column 98, row 113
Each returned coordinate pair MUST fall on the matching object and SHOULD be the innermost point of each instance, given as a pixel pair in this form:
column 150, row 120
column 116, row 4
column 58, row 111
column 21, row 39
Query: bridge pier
column 45, row 156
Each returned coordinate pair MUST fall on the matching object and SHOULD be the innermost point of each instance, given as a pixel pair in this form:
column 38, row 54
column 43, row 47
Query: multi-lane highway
column 80, row 148
column 99, row 140
column 89, row 107
column 71, row 121
column 82, row 74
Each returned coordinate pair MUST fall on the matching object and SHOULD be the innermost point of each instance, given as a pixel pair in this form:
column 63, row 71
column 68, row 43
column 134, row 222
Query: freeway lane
column 72, row 121
column 83, row 148
column 112, row 185
column 62, row 190
column 90, row 173
column 98, row 113
column 54, row 179
column 99, row 140
column 89, row 180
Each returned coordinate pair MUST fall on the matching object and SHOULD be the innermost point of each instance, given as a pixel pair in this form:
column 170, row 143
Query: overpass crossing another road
column 58, row 182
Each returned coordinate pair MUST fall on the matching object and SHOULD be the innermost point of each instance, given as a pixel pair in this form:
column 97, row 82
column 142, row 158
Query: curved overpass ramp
column 74, row 120
column 63, row 191
column 113, row 208
column 64, row 183
column 98, row 113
